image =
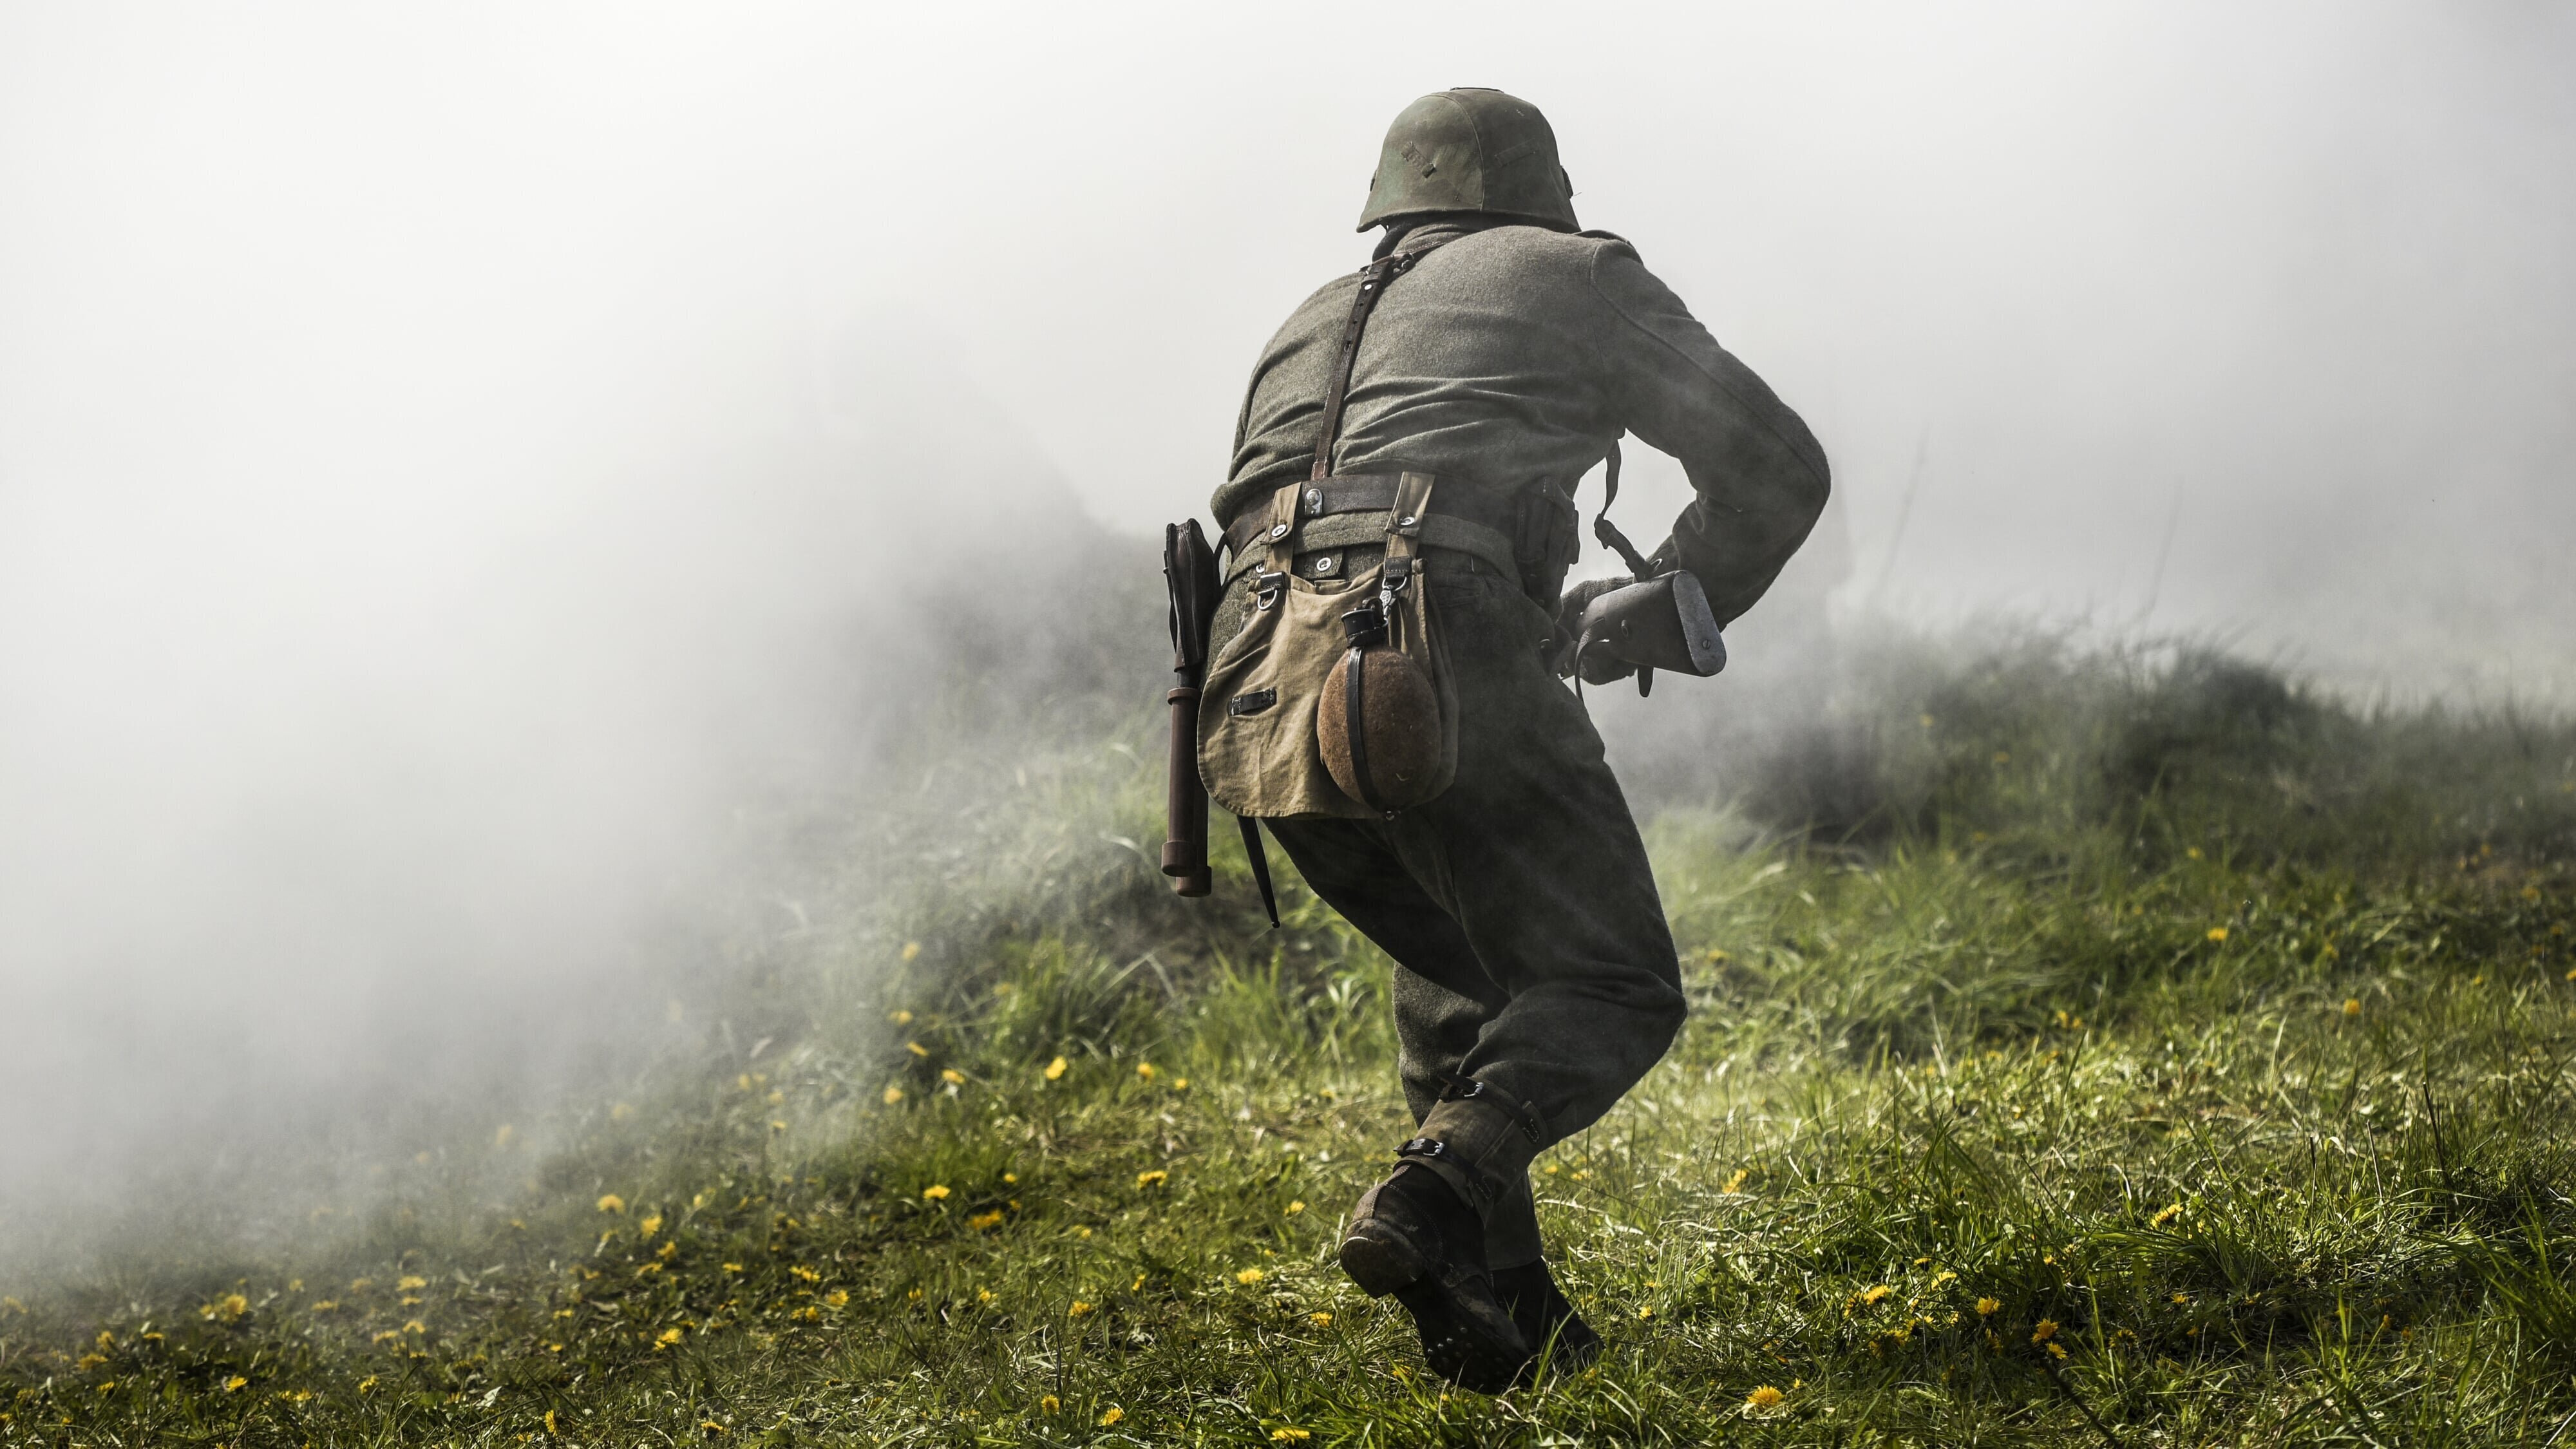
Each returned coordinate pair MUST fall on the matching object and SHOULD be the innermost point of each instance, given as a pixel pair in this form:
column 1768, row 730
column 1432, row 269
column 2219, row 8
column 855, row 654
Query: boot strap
column 1468, row 1089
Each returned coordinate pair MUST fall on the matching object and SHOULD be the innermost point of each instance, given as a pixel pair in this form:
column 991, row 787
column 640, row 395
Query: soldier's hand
column 1569, row 629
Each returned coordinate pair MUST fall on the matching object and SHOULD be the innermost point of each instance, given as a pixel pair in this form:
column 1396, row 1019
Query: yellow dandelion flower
column 415, row 1326
column 935, row 1192
column 324, row 1305
column 1011, row 1177
column 1735, row 1184
column 2046, row 1330
column 1646, row 1312
column 804, row 1274
column 1145, row 1070
column 1111, row 1415
column 1873, row 1295
column 611, row 1203
column 1320, row 1319
column 2165, row 1215
column 1764, row 1398
column 2181, row 1298
column 1079, row 1309
column 1989, row 1307
column 2057, row 1349
column 2218, row 933
column 410, row 1283
column 1155, row 1178
column 228, row 1308
column 2352, row 1006
column 1055, row 1069
column 732, row 1267
column 952, row 1076
column 670, row 1249
column 1250, row 1276
column 984, row 1221
column 2191, row 852
column 665, row 1339
column 1295, row 1208
column 550, row 1423
column 651, row 1224
column 916, row 1048
column 838, row 1298
column 778, row 1097
column 1285, row 1435
column 892, row 1096
column 912, row 950
column 367, row 1385
column 900, row 1018
column 1049, row 1404
column 235, row 1384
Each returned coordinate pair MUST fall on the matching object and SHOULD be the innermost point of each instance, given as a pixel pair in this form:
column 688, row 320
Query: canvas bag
column 1259, row 752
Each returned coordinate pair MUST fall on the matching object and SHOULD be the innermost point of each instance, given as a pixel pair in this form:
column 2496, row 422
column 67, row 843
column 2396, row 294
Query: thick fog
column 458, row 463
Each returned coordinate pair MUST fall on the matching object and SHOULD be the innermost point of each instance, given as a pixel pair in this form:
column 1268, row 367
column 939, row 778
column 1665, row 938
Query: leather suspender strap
column 1373, row 284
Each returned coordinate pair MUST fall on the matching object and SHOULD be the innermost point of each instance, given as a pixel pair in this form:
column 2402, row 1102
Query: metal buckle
column 1314, row 503
column 1423, row 1147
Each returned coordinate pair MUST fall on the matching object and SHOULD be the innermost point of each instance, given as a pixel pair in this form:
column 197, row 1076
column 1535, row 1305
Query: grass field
column 2137, row 1051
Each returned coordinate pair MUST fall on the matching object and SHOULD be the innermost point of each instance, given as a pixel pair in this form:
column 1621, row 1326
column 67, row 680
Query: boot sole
column 1456, row 1343
column 1455, row 1346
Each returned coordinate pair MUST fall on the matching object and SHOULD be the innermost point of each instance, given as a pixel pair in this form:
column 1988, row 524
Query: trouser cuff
column 1480, row 1143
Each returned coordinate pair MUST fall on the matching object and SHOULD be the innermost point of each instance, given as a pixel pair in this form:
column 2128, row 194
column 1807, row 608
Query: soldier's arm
column 1759, row 474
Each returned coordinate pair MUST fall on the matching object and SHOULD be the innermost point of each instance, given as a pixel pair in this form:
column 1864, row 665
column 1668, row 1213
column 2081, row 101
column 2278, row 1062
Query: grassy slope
column 2172, row 1055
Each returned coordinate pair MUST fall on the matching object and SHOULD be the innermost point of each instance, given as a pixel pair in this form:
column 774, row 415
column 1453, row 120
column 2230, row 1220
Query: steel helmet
column 1470, row 149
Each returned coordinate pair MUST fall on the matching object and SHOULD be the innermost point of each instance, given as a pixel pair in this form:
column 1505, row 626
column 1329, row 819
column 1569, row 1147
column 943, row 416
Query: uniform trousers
column 1530, row 947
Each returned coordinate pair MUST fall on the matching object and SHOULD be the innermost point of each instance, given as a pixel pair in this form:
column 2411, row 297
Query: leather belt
column 1462, row 516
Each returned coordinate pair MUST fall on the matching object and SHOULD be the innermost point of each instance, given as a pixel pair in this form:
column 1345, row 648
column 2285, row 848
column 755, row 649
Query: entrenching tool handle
column 1189, row 572
column 1185, row 809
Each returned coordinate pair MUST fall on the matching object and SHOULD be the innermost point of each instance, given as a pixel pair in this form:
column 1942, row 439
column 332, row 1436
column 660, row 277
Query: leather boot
column 1557, row 1334
column 1411, row 1236
column 1420, row 1234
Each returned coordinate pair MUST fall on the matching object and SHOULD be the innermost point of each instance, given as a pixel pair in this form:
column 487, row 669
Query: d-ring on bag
column 1335, row 699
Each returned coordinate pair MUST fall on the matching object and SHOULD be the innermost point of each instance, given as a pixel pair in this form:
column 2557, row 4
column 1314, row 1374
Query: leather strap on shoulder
column 1373, row 285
